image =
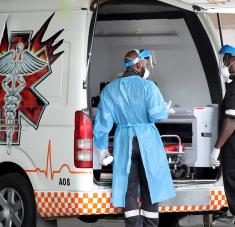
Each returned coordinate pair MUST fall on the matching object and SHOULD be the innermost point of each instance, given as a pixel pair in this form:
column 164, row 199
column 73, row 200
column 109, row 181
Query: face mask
column 146, row 73
column 224, row 71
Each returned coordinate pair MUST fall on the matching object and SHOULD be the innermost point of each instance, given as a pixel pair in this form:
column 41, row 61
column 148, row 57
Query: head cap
column 227, row 49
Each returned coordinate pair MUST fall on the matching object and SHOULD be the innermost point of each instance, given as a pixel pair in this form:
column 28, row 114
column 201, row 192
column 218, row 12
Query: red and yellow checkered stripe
column 59, row 204
column 54, row 204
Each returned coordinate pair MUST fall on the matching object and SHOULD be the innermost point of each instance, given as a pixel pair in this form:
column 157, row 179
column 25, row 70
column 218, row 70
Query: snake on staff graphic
column 15, row 65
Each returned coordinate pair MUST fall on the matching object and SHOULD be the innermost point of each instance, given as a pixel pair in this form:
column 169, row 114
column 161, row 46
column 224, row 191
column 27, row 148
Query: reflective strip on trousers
column 131, row 213
column 148, row 214
column 230, row 112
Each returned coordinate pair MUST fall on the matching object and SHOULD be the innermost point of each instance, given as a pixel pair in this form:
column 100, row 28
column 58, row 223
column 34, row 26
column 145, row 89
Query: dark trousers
column 228, row 169
column 136, row 215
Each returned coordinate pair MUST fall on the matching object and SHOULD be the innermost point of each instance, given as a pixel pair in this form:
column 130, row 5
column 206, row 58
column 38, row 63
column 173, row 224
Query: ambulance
column 55, row 59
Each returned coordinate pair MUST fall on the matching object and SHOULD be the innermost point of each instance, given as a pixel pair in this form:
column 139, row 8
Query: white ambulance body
column 50, row 80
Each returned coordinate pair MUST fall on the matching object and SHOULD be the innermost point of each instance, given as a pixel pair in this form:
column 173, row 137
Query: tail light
column 83, row 141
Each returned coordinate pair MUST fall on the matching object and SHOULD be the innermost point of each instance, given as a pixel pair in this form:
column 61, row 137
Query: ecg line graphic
column 49, row 167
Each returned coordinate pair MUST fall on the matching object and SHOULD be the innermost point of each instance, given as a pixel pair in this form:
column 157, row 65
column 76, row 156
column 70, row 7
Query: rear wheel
column 17, row 202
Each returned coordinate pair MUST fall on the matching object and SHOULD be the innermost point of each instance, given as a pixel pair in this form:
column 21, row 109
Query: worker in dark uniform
column 226, row 139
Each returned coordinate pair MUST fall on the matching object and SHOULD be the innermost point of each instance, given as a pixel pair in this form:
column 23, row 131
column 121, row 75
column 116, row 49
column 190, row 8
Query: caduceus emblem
column 15, row 65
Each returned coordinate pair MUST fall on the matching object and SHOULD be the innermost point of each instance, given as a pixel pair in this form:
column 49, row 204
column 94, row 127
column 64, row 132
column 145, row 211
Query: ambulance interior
column 184, row 68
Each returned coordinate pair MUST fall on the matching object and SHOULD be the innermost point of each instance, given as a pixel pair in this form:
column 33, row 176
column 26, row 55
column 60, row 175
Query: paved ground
column 189, row 221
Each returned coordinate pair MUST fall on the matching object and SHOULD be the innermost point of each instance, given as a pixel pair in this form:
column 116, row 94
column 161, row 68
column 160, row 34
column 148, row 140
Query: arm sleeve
column 230, row 106
column 103, row 124
column 156, row 106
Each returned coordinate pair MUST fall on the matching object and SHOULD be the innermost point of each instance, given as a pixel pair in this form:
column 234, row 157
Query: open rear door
column 206, row 6
column 3, row 20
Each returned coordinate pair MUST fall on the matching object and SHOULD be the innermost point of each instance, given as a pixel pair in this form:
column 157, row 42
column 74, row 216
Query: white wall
column 177, row 67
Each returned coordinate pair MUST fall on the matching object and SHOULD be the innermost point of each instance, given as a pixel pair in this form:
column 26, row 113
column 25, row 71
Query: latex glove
column 105, row 157
column 169, row 108
column 168, row 105
column 214, row 158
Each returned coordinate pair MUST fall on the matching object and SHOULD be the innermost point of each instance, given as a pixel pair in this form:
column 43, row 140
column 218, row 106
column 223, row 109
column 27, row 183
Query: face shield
column 147, row 57
column 146, row 54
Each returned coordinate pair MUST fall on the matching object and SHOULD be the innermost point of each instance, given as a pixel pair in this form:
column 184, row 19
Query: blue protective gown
column 134, row 104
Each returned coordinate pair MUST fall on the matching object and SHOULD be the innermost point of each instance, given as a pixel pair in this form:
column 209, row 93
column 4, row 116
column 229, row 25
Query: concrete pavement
column 188, row 221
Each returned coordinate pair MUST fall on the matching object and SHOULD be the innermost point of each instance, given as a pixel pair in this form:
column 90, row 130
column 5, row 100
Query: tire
column 20, row 209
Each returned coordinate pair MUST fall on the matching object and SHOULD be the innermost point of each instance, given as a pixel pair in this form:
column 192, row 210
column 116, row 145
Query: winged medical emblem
column 25, row 61
column 15, row 66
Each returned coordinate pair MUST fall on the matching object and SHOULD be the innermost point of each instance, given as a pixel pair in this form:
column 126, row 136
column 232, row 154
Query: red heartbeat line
column 49, row 167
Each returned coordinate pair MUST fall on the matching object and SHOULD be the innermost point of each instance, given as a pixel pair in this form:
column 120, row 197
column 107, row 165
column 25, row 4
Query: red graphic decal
column 25, row 61
column 218, row 2
column 49, row 167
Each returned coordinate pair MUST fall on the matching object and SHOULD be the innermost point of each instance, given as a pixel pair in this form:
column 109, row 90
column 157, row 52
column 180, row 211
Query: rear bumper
column 60, row 203
column 195, row 200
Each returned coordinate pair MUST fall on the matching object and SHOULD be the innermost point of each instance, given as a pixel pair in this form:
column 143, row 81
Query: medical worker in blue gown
column 134, row 104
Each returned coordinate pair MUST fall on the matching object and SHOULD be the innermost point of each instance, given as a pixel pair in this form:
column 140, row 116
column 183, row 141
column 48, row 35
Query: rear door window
column 227, row 22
